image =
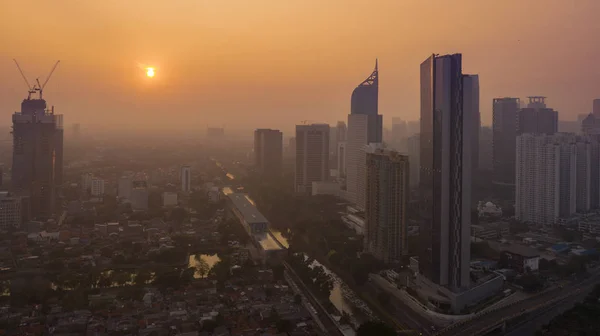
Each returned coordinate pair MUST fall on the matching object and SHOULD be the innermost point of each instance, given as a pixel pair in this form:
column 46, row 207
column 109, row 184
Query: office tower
column 340, row 137
column 486, row 145
column 291, row 149
column 590, row 125
column 97, row 187
column 445, row 183
column 536, row 118
column 471, row 108
column 10, row 211
column 341, row 131
column 361, row 185
column 414, row 154
column 37, row 154
column 387, row 175
column 186, row 179
column 341, row 158
column 553, row 177
column 77, row 132
column 124, row 187
column 413, row 127
column 365, row 126
column 312, row 156
column 399, row 134
column 504, row 128
column 268, row 151
column 594, row 171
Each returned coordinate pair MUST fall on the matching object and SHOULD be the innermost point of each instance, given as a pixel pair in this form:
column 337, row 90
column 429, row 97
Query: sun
column 150, row 72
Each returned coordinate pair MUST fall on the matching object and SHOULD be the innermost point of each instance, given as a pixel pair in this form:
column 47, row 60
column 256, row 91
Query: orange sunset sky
column 273, row 63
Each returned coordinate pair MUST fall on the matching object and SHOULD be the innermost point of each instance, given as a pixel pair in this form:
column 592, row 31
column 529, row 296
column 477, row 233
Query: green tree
column 202, row 266
column 375, row 328
column 142, row 277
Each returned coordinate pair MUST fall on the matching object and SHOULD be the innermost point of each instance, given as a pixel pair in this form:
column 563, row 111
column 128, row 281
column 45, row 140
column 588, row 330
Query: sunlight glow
column 150, row 72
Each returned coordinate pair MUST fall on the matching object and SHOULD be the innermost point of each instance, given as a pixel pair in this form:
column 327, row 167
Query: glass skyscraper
column 445, row 174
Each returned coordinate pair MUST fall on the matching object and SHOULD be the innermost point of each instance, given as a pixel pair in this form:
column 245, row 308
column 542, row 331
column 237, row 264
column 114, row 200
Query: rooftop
column 245, row 206
column 268, row 242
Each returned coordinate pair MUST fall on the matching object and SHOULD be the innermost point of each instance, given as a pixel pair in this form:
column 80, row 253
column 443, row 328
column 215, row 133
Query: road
column 562, row 297
column 325, row 318
column 402, row 311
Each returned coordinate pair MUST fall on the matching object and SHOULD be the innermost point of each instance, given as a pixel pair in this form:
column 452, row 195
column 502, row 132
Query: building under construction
column 37, row 167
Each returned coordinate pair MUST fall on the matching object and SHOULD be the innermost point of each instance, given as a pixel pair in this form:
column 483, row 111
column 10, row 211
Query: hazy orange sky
column 274, row 63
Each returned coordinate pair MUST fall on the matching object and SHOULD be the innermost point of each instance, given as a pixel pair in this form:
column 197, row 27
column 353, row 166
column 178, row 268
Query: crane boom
column 22, row 74
column 50, row 75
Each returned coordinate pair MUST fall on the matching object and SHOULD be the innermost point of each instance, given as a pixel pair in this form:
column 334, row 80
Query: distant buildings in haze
column 186, row 179
column 312, row 156
column 268, row 151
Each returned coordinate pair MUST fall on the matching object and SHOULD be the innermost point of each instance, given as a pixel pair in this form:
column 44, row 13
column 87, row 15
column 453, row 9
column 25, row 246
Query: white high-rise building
column 552, row 177
column 97, row 187
column 357, row 139
column 312, row 156
column 186, row 179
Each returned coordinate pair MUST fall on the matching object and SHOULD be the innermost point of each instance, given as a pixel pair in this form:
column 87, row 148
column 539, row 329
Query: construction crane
column 37, row 87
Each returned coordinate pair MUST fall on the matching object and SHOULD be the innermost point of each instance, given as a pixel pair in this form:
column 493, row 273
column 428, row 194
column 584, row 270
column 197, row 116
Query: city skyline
column 268, row 73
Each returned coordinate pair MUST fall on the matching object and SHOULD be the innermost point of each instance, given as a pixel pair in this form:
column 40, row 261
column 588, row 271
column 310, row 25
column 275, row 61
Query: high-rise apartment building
column 10, row 211
column 504, row 129
column 536, row 118
column 365, row 125
column 361, row 185
column 268, row 151
column 471, row 108
column 97, row 187
column 387, row 190
column 596, row 108
column 186, row 179
column 445, row 168
column 312, row 156
column 553, row 177
column 37, row 154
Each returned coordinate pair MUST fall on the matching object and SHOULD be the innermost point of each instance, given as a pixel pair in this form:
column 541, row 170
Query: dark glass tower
column 445, row 174
column 504, row 125
column 37, row 155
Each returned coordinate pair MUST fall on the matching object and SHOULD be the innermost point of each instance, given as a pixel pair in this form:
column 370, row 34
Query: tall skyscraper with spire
column 365, row 125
